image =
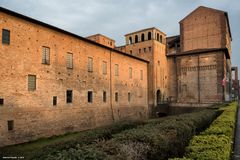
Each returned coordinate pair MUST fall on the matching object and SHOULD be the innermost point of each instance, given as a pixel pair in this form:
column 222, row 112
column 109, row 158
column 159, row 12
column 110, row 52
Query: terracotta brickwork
column 83, row 83
column 33, row 112
column 200, row 65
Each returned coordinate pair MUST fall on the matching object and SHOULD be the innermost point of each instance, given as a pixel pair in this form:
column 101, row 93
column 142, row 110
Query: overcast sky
column 115, row 18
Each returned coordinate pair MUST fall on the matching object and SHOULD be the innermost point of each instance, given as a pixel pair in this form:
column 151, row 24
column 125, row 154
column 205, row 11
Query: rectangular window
column 130, row 51
column 10, row 125
column 54, row 100
column 69, row 96
column 116, row 70
column 139, row 50
column 129, row 96
column 31, row 82
column 116, row 96
column 104, row 96
column 130, row 72
column 104, row 67
column 5, row 36
column 45, row 55
column 141, row 74
column 90, row 64
column 150, row 49
column 90, row 96
column 69, row 60
column 1, row 101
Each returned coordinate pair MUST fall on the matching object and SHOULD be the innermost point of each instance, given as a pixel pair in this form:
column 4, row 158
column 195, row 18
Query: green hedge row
column 215, row 142
column 157, row 139
column 79, row 138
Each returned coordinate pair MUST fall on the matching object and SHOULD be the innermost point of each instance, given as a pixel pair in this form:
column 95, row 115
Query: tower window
column 142, row 37
column 10, row 125
column 139, row 50
column 130, row 51
column 161, row 39
column 69, row 96
column 90, row 96
column 157, row 36
column 5, row 36
column 149, row 35
column 130, row 40
column 136, row 38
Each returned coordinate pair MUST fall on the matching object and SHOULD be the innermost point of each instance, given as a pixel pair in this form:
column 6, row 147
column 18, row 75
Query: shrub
column 216, row 141
column 157, row 139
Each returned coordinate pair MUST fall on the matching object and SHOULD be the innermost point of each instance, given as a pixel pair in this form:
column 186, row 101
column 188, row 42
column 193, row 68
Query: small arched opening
column 161, row 38
column 142, row 37
column 158, row 95
column 136, row 38
column 130, row 40
column 158, row 37
column 149, row 35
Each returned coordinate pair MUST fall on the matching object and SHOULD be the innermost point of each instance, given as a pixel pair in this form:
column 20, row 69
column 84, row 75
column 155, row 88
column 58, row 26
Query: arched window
column 158, row 37
column 130, row 40
column 142, row 37
column 149, row 35
column 161, row 38
column 136, row 38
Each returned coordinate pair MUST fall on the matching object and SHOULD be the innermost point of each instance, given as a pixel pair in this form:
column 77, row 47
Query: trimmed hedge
column 216, row 141
column 80, row 138
column 157, row 139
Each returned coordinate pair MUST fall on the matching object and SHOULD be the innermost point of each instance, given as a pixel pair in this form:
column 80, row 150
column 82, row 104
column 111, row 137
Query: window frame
column 116, row 98
column 10, row 125
column 116, row 70
column 90, row 64
column 104, row 67
column 69, row 60
column 69, row 96
column 130, row 72
column 6, row 40
column 45, row 55
column 90, row 96
column 35, row 82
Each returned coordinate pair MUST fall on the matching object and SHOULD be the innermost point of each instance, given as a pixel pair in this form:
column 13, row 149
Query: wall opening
column 158, row 95
column 10, row 124
column 116, row 96
column 1, row 101
column 90, row 96
column 54, row 100
column 104, row 96
column 69, row 96
column 130, row 40
column 149, row 35
column 136, row 38
column 142, row 38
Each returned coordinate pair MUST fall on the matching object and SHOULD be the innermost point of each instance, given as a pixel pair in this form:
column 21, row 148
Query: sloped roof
column 15, row 14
